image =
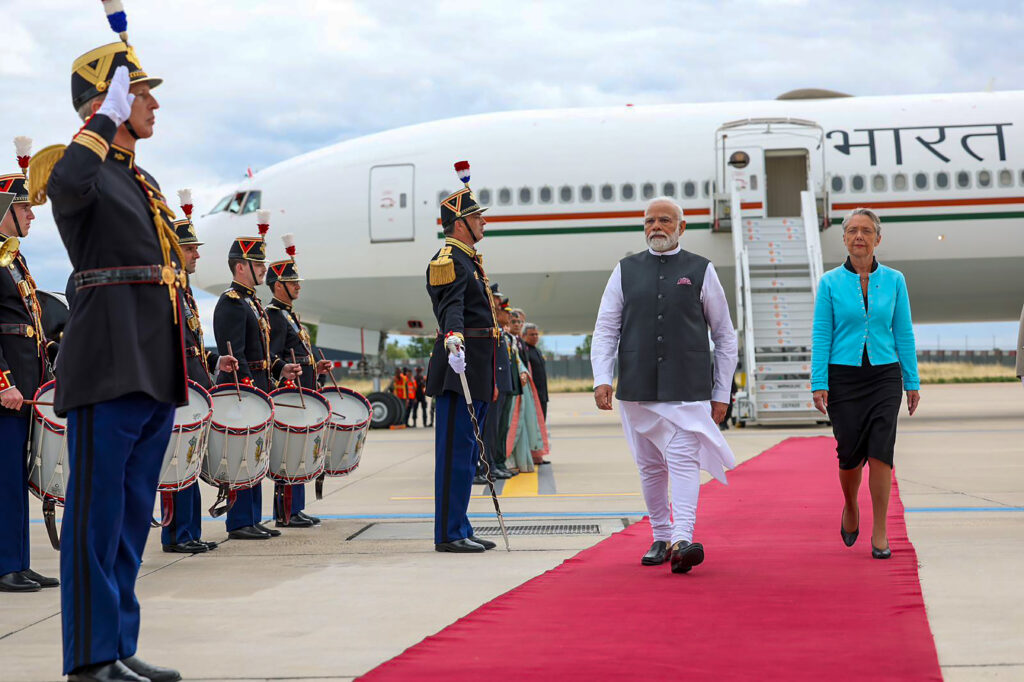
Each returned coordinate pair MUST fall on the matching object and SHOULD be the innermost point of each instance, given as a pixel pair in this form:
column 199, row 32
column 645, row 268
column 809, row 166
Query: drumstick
column 331, row 374
column 302, row 398
column 238, row 389
column 37, row 402
column 300, row 407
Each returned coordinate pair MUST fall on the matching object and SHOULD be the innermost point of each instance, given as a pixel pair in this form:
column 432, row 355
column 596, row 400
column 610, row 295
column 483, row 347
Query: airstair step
column 783, row 385
column 770, row 368
column 803, row 315
column 782, row 299
column 773, row 405
column 779, row 283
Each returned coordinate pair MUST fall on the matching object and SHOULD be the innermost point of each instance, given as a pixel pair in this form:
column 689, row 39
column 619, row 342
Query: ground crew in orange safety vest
column 410, row 395
column 398, row 385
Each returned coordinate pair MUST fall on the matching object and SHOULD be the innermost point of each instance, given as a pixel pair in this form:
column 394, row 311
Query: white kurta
column 672, row 440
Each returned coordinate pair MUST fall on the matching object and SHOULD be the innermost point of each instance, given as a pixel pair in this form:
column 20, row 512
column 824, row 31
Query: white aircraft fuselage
column 566, row 191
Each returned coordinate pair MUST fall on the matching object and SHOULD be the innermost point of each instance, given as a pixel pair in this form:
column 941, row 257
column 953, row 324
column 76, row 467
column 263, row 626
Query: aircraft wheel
column 383, row 410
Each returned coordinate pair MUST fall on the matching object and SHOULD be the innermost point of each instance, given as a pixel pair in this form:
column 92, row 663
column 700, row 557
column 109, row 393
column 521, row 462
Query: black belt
column 133, row 274
column 477, row 333
column 26, row 330
column 193, row 352
column 261, row 365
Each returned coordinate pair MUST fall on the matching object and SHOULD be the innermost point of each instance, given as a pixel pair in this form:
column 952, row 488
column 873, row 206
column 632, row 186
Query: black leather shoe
column 543, row 461
column 265, row 529
column 313, row 519
column 503, row 474
column 153, row 672
column 486, row 544
column 848, row 538
column 190, row 547
column 248, row 533
column 41, row 579
column 656, row 555
column 686, row 555
column 16, row 582
column 464, row 546
column 209, row 545
column 106, row 672
column 295, row 521
column 880, row 553
column 479, row 480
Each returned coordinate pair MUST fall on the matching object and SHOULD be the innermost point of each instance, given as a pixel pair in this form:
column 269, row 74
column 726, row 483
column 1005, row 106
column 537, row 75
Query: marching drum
column 346, row 433
column 47, row 465
column 240, row 434
column 184, row 453
column 298, row 448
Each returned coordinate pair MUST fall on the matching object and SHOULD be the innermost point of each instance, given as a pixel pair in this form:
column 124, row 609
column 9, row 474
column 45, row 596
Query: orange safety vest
column 410, row 388
column 400, row 385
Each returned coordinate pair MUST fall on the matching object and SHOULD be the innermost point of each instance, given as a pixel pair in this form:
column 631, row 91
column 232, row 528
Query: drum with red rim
column 346, row 432
column 298, row 448
column 240, row 433
column 184, row 454
column 47, row 465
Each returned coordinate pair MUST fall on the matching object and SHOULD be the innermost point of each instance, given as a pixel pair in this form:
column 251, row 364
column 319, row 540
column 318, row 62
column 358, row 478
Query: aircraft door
column 391, row 203
column 785, row 178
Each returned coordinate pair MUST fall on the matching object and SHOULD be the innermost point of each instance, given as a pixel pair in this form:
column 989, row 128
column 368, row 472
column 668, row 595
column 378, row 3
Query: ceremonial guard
column 183, row 533
column 25, row 357
column 241, row 321
column 121, row 368
column 465, row 344
column 287, row 336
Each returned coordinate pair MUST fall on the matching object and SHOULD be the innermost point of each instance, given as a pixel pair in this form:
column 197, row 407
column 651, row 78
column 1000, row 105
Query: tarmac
column 331, row 603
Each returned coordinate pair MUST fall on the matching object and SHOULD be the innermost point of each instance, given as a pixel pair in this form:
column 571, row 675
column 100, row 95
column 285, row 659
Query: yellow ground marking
column 523, row 485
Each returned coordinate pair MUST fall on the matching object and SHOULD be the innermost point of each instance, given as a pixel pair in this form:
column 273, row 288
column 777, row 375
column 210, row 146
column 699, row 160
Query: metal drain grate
column 549, row 529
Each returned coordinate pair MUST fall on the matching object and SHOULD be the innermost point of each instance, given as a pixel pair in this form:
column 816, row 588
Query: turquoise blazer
column 843, row 327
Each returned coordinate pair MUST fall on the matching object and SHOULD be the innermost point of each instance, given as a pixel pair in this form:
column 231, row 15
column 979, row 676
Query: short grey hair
column 667, row 200
column 866, row 212
column 85, row 111
column 528, row 326
column 517, row 312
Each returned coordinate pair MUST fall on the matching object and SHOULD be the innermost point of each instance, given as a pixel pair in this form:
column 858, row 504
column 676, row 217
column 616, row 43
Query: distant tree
column 584, row 347
column 395, row 351
column 420, row 347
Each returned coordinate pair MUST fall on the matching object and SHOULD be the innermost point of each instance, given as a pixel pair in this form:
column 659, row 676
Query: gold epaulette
column 442, row 268
column 94, row 142
column 39, row 170
column 231, row 293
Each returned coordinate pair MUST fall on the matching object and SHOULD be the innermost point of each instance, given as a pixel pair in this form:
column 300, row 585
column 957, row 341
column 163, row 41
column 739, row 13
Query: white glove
column 118, row 104
column 452, row 343
column 457, row 361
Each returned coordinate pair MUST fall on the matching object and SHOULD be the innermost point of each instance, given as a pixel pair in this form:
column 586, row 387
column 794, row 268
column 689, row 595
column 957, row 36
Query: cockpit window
column 252, row 203
column 236, row 203
column 222, row 205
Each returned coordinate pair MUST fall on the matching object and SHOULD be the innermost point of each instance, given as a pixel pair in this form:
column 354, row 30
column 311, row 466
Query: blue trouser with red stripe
column 455, row 456
column 187, row 521
column 247, row 509
column 13, row 494
column 115, row 451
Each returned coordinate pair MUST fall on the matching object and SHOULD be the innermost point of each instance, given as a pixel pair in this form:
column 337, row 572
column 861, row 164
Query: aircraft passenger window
column 857, row 183
column 753, row 182
column 942, row 180
column 586, row 193
column 504, row 196
column 525, row 195
column 878, row 183
column 647, row 190
column 920, row 181
column 628, row 192
column 222, row 205
column 963, row 179
column 1005, row 178
column 484, row 197
column 565, row 194
column 837, row 183
column 252, row 203
column 1022, row 177
column 669, row 189
column 689, row 189
column 546, row 195
column 706, row 187
column 984, row 178
column 607, row 192
column 899, row 182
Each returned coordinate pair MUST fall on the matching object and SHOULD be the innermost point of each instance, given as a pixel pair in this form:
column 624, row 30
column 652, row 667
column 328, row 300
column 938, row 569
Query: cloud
column 250, row 83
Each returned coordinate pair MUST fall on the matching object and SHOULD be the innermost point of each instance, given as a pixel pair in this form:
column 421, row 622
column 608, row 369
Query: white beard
column 661, row 243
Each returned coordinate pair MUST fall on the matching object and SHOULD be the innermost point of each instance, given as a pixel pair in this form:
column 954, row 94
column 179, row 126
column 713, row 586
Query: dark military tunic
column 120, row 339
column 286, row 335
column 24, row 349
column 464, row 306
column 201, row 363
column 240, row 319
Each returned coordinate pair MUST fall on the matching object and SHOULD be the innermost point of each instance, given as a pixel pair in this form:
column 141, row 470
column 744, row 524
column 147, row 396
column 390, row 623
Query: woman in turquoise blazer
column 863, row 356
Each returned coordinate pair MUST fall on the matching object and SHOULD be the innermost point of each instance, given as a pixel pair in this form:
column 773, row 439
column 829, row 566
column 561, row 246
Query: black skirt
column 863, row 404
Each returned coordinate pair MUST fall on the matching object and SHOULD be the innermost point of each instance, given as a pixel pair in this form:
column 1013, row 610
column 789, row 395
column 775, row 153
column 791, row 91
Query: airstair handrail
column 809, row 214
column 748, row 331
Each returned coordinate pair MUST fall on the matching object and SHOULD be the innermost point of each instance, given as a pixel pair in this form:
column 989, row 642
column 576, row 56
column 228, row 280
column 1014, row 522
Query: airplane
column 566, row 190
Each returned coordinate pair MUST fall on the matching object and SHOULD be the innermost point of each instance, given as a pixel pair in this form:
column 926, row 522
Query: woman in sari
column 527, row 435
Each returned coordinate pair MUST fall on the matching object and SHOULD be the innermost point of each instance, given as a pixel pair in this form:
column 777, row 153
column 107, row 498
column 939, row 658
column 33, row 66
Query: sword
column 483, row 457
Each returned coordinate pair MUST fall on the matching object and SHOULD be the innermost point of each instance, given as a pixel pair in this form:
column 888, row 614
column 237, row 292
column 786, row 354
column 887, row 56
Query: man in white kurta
column 655, row 315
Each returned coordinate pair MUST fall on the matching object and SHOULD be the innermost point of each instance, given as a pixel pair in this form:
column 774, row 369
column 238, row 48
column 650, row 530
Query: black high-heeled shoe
column 880, row 553
column 848, row 538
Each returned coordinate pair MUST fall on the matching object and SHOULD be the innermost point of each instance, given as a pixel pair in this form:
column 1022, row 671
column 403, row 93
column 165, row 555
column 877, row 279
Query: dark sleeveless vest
column 664, row 352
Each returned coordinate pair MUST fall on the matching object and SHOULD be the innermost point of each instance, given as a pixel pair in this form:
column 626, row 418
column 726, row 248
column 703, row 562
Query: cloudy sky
column 249, row 83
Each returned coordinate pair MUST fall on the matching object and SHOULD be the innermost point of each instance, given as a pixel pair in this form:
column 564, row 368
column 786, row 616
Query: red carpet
column 779, row 597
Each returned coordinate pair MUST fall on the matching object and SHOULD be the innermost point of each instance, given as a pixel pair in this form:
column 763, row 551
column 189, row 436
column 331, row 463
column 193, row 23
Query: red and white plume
column 263, row 221
column 23, row 148
column 289, row 244
column 185, row 197
column 462, row 170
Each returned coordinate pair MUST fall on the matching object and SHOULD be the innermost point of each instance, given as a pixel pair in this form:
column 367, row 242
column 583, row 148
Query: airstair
column 778, row 265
